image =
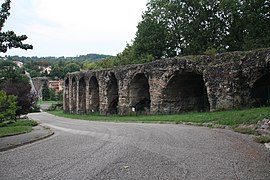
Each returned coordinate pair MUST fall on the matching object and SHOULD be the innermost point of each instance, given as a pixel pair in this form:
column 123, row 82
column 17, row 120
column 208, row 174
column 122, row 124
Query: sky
column 74, row 27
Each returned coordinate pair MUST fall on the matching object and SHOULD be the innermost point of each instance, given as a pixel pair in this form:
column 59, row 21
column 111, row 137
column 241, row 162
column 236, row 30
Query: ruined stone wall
column 38, row 83
column 193, row 83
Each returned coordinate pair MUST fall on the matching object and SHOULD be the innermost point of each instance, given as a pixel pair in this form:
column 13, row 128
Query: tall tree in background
column 173, row 27
column 45, row 92
column 256, row 22
column 247, row 24
column 9, row 39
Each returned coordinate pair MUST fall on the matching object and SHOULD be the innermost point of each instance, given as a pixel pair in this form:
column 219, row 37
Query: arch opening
column 139, row 95
column 82, row 96
column 73, row 95
column 260, row 92
column 112, row 95
column 185, row 92
column 93, row 95
column 66, row 95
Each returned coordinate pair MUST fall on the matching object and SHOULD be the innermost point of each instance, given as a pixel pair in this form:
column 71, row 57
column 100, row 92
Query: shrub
column 8, row 106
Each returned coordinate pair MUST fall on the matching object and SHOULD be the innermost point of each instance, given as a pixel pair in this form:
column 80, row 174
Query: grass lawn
column 228, row 118
column 16, row 127
column 47, row 102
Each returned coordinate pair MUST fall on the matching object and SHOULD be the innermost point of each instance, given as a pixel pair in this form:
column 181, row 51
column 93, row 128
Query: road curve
column 103, row 150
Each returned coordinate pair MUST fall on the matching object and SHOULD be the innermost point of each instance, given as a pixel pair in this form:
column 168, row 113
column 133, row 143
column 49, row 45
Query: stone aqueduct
column 180, row 84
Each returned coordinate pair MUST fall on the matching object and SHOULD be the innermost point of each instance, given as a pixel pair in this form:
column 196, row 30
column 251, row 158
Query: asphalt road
column 101, row 150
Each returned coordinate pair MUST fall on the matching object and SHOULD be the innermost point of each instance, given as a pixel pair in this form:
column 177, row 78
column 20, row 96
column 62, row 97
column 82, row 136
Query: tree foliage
column 183, row 27
column 8, row 106
column 173, row 27
column 14, row 82
column 45, row 92
column 128, row 56
column 9, row 39
column 71, row 67
column 21, row 88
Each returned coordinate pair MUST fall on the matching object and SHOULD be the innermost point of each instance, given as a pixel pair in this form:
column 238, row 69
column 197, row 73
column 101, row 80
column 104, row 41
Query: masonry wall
column 175, row 85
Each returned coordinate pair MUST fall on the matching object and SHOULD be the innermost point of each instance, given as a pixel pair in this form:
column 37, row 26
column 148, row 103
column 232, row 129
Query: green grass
column 47, row 102
column 262, row 139
column 246, row 130
column 228, row 118
column 16, row 127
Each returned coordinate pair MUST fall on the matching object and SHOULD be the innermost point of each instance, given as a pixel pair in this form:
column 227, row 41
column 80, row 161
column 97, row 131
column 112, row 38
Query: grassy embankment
column 16, row 127
column 227, row 118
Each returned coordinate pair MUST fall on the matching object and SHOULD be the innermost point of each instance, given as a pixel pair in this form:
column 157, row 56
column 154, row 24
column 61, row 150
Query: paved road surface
column 101, row 150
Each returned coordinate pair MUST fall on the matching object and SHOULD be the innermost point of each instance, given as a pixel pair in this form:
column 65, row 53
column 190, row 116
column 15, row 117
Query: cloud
column 89, row 26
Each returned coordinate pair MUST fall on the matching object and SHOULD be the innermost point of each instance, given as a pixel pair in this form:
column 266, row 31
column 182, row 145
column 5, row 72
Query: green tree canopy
column 172, row 27
column 14, row 82
column 9, row 39
column 71, row 67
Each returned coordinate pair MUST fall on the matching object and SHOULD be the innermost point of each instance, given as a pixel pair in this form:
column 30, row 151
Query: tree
column 8, row 106
column 247, row 24
column 57, row 72
column 9, row 70
column 14, row 82
column 151, row 36
column 172, row 27
column 256, row 20
column 71, row 67
column 53, row 96
column 45, row 92
column 9, row 39
column 21, row 88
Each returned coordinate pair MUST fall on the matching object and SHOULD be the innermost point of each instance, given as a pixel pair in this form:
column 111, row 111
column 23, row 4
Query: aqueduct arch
column 139, row 95
column 260, row 92
column 93, row 94
column 193, row 83
column 185, row 91
column 112, row 94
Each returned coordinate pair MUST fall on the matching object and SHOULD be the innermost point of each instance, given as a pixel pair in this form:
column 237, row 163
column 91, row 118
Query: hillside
column 51, row 59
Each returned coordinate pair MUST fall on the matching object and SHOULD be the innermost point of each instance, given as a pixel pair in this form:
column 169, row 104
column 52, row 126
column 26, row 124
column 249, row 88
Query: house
column 57, row 85
column 18, row 63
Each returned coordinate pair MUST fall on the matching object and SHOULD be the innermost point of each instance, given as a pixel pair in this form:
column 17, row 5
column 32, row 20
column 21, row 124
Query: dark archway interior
column 260, row 92
column 82, row 95
column 185, row 92
column 139, row 94
column 113, row 106
column 93, row 95
column 112, row 94
column 67, row 95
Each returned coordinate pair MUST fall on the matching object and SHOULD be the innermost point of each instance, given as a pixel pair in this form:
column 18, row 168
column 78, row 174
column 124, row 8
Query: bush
column 8, row 106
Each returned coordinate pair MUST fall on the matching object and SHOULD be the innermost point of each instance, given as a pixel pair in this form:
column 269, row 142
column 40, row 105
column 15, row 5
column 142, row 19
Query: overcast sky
column 74, row 27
